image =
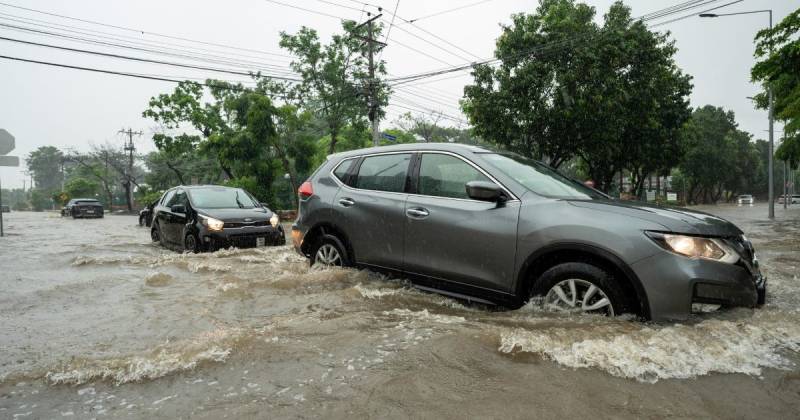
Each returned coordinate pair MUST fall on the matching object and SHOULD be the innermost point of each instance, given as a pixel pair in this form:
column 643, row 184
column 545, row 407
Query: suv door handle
column 417, row 212
column 346, row 202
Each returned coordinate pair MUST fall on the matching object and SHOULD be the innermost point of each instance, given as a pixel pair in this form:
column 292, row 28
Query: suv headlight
column 695, row 247
column 211, row 223
column 274, row 220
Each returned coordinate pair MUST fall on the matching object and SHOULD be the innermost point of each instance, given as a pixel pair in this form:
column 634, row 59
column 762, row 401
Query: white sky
column 43, row 105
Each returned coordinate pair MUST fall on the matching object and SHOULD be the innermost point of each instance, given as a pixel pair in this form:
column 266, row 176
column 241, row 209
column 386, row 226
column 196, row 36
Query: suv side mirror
column 486, row 191
column 178, row 208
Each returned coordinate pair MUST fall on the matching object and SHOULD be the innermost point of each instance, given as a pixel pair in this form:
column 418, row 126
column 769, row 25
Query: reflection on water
column 88, row 300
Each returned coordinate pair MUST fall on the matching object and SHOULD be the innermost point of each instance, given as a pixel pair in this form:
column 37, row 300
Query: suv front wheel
column 580, row 287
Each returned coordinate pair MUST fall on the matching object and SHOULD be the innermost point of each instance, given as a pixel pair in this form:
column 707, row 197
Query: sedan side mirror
column 178, row 208
column 486, row 191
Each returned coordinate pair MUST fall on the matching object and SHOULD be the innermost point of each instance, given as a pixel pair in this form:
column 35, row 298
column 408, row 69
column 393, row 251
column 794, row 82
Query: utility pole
column 372, row 86
column 130, row 148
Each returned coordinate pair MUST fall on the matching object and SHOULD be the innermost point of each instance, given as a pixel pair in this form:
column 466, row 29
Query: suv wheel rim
column 154, row 235
column 190, row 244
column 576, row 295
column 328, row 255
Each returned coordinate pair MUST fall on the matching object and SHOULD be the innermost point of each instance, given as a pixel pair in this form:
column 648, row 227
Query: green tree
column 567, row 87
column 335, row 77
column 778, row 52
column 81, row 188
column 45, row 165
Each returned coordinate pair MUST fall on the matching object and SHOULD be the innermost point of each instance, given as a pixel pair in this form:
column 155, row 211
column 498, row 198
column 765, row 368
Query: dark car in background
column 5, row 209
column 211, row 217
column 146, row 214
column 494, row 227
column 82, row 208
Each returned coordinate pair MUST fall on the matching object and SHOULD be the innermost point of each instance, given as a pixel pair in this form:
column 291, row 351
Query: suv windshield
column 541, row 179
column 221, row 198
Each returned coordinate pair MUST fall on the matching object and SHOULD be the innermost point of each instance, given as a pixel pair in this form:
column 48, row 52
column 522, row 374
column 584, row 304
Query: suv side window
column 341, row 171
column 167, row 197
column 443, row 175
column 178, row 198
column 384, row 172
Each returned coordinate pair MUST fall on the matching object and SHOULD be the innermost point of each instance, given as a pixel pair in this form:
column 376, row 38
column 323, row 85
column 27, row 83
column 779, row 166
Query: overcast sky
column 42, row 105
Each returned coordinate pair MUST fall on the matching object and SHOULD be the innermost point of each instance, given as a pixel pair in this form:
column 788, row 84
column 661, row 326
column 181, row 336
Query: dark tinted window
column 384, row 173
column 341, row 170
column 446, row 176
column 179, row 197
column 167, row 196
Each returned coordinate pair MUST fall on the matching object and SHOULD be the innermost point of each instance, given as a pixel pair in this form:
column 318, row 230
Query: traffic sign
column 9, row 161
column 389, row 137
column 6, row 142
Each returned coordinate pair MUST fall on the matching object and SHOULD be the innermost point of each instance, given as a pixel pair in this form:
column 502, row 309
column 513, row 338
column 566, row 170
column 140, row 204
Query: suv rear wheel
column 580, row 287
column 329, row 251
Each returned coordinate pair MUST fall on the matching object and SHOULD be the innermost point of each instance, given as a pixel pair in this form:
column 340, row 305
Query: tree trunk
column 127, row 186
column 177, row 173
column 288, row 168
column 334, row 135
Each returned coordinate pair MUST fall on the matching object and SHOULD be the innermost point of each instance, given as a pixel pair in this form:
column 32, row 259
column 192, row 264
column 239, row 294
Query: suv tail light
column 306, row 190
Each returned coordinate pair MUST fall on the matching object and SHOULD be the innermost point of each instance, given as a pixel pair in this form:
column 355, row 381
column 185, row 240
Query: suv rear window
column 341, row 171
column 383, row 172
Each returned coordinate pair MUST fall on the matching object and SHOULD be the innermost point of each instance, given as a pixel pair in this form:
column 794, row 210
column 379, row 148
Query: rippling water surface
column 90, row 304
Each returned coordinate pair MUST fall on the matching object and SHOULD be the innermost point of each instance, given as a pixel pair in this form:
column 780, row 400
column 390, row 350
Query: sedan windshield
column 540, row 178
column 221, row 198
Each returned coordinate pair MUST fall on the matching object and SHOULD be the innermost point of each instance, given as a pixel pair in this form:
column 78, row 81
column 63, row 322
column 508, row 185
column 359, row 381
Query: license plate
column 90, row 211
column 261, row 241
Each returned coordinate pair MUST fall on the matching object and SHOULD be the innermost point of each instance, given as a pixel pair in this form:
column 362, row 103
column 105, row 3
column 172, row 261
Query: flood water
column 97, row 321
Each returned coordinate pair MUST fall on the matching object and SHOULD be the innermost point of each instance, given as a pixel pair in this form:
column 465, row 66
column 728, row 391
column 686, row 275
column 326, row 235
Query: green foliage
column 778, row 52
column 616, row 99
column 45, row 164
column 335, row 77
column 81, row 188
column 720, row 157
column 41, row 200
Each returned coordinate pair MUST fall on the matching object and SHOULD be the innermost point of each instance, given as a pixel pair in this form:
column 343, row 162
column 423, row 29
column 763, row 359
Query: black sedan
column 210, row 217
column 82, row 207
column 146, row 214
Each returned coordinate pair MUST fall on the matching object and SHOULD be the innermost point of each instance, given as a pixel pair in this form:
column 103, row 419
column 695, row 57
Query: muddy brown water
column 99, row 322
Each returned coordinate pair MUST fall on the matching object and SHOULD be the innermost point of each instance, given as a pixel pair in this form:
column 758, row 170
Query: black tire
column 587, row 272
column 336, row 243
column 155, row 234
column 191, row 243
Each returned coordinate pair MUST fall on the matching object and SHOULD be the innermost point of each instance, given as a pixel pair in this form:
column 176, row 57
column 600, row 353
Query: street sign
column 389, row 137
column 6, row 142
column 672, row 196
column 9, row 161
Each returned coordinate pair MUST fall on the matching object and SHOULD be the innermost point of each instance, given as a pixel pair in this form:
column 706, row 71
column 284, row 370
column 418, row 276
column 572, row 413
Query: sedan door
column 452, row 237
column 371, row 209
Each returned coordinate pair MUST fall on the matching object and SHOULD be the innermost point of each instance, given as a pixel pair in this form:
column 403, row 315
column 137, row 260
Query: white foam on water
column 424, row 315
column 376, row 293
column 649, row 353
column 214, row 346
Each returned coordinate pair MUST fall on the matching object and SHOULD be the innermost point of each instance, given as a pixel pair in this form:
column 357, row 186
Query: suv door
column 370, row 209
column 450, row 236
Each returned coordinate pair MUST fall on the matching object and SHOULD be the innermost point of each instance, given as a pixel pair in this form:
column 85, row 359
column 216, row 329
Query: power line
column 695, row 14
column 144, row 60
column 316, row 12
column 139, row 31
column 449, row 10
column 283, row 70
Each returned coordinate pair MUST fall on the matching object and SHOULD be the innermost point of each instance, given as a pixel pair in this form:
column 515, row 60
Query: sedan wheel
column 576, row 295
column 328, row 255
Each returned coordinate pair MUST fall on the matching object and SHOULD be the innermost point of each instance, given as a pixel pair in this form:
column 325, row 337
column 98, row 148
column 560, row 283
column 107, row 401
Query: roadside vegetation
column 612, row 108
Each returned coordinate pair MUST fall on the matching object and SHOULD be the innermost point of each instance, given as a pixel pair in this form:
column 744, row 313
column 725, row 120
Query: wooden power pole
column 130, row 148
column 372, row 86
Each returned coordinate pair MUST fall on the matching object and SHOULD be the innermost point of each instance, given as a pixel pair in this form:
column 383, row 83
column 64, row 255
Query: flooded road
column 99, row 322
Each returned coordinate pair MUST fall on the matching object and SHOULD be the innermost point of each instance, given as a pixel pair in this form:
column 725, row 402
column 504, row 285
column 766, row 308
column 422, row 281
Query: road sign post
column 6, row 146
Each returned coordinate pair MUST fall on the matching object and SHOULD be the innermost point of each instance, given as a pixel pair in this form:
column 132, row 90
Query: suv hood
column 257, row 214
column 674, row 219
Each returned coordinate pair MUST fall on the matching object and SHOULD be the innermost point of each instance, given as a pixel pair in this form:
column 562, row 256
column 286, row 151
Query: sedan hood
column 674, row 219
column 258, row 214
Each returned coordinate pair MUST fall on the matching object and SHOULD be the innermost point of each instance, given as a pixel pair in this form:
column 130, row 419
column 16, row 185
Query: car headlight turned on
column 274, row 220
column 211, row 223
column 695, row 247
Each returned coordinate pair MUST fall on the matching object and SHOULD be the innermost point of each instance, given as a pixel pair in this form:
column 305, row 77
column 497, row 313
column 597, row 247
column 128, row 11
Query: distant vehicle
column 495, row 227
column 210, row 217
column 5, row 209
column 146, row 214
column 82, row 207
column 795, row 199
column 746, row 199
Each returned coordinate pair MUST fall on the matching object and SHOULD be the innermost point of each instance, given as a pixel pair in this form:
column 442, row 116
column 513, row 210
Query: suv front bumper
column 672, row 283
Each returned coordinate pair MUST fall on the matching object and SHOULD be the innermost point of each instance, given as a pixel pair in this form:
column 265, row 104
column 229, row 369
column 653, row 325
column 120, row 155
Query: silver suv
column 494, row 227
